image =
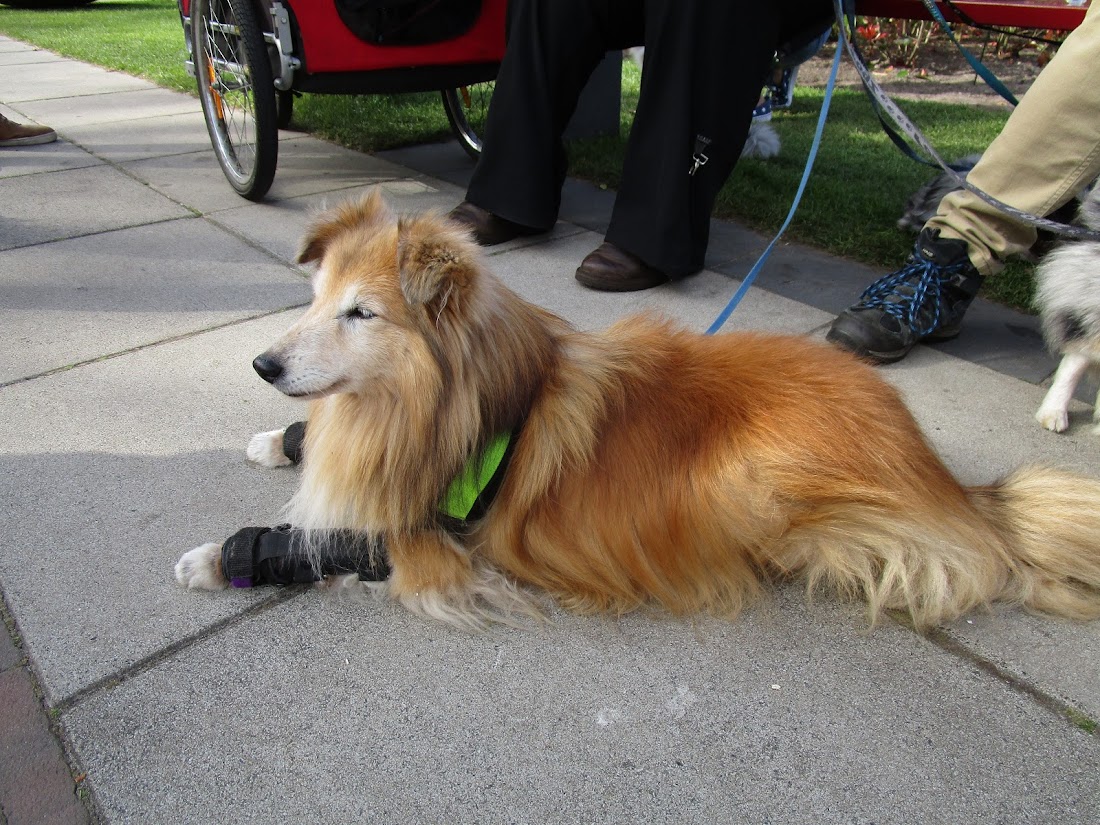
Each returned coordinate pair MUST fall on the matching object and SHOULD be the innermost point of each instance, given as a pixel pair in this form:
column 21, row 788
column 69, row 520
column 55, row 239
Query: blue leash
column 979, row 68
column 747, row 282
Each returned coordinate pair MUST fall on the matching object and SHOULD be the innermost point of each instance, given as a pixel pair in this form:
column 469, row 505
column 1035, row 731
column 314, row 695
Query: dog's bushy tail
column 1050, row 522
column 1032, row 539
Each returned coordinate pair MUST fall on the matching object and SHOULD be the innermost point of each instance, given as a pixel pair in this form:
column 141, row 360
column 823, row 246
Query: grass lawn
column 852, row 202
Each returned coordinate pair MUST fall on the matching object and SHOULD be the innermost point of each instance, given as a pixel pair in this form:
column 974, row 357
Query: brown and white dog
column 651, row 465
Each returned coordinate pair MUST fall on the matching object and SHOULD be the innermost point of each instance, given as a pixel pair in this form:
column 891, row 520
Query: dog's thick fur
column 1067, row 295
column 653, row 465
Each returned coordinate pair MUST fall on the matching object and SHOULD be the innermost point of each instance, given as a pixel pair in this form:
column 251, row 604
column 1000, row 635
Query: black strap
column 294, row 437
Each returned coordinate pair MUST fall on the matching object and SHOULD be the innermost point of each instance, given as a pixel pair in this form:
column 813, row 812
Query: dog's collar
column 469, row 495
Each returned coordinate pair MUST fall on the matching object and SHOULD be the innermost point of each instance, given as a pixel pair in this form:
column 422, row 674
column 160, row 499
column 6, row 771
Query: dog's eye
column 359, row 313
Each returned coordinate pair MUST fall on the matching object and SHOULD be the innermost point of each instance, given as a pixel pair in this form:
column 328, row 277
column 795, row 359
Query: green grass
column 852, row 202
column 140, row 37
column 1081, row 720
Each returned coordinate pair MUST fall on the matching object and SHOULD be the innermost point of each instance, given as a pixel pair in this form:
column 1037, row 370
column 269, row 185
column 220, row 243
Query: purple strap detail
column 241, row 581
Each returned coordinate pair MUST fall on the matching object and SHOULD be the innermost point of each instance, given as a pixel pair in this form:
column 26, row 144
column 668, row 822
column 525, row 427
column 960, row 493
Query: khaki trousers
column 1048, row 151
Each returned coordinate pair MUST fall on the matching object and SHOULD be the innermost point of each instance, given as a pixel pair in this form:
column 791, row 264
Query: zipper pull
column 698, row 159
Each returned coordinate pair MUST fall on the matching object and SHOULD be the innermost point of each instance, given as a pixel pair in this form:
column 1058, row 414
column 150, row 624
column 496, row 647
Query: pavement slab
column 278, row 226
column 121, row 141
column 307, row 166
column 26, row 56
column 323, row 709
column 118, row 467
column 81, row 299
column 139, row 103
column 542, row 272
column 66, row 79
column 44, row 157
column 65, row 204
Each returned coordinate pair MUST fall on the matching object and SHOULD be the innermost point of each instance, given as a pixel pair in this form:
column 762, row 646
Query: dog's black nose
column 268, row 367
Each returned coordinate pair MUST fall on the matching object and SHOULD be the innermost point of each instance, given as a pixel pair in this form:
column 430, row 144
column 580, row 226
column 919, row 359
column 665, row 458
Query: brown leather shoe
column 611, row 269
column 14, row 134
column 488, row 229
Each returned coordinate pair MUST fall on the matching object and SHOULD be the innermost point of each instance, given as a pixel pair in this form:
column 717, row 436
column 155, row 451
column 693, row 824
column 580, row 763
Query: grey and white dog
column 922, row 204
column 1068, row 298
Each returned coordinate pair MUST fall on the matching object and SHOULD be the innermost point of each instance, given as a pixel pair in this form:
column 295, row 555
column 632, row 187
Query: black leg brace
column 262, row 555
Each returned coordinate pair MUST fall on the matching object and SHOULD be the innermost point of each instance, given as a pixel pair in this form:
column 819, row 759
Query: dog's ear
column 434, row 257
column 368, row 212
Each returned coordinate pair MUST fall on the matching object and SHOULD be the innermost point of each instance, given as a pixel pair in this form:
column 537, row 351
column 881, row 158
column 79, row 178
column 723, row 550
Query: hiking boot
column 925, row 300
column 15, row 134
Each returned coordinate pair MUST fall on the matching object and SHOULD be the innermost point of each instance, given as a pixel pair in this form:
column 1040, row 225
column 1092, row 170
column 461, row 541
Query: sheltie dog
column 650, row 465
column 1067, row 294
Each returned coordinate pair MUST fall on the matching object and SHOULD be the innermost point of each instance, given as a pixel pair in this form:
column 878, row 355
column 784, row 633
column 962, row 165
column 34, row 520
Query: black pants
column 705, row 64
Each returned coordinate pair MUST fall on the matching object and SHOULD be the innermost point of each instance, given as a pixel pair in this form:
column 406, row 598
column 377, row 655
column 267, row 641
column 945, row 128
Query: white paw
column 1054, row 419
column 266, row 449
column 200, row 569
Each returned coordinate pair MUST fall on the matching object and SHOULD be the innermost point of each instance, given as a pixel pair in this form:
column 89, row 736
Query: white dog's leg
column 266, row 449
column 200, row 569
column 1054, row 411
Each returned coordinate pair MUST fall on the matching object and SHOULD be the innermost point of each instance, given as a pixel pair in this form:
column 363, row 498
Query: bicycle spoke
column 231, row 86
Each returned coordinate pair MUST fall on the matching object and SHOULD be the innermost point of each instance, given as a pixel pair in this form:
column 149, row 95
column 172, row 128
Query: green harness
column 468, row 497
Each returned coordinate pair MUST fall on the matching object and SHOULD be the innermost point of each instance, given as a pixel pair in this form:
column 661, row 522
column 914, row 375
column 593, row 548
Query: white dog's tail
column 762, row 141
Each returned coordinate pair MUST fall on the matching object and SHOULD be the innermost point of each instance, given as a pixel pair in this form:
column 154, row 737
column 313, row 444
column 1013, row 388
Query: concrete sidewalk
column 136, row 287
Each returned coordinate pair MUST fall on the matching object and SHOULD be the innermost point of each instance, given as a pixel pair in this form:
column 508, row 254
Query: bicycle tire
column 237, row 92
column 467, row 107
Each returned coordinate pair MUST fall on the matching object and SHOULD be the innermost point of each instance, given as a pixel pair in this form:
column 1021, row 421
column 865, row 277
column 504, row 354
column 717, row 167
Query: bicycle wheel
column 237, row 92
column 467, row 107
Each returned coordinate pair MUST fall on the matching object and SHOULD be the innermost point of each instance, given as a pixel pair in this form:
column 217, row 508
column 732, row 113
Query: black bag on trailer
column 408, row 22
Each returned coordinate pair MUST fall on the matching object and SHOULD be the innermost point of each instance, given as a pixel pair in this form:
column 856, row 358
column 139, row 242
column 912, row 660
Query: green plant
column 1081, row 720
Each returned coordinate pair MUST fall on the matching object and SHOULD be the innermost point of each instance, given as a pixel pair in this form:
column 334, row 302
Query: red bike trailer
column 251, row 56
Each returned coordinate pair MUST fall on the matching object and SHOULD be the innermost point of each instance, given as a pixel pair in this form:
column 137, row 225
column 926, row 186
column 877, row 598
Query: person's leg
column 705, row 64
column 553, row 48
column 1047, row 152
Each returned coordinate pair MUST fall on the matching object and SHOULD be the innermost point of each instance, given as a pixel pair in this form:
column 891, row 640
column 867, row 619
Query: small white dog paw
column 1055, row 420
column 200, row 569
column 266, row 449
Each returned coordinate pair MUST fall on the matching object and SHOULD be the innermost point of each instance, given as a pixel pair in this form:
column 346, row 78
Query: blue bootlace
column 925, row 279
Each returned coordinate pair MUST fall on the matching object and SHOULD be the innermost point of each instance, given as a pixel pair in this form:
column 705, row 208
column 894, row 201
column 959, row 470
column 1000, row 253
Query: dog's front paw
column 266, row 449
column 1053, row 418
column 201, row 568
